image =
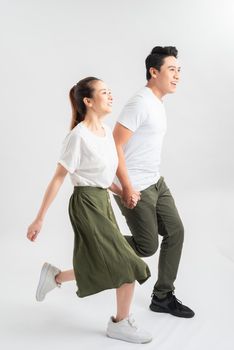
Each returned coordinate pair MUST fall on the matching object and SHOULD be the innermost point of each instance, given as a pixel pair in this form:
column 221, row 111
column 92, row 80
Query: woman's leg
column 51, row 277
column 123, row 326
column 124, row 296
column 65, row 276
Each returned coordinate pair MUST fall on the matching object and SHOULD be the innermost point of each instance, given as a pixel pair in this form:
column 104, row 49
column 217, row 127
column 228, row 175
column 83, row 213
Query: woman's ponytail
column 84, row 88
column 74, row 120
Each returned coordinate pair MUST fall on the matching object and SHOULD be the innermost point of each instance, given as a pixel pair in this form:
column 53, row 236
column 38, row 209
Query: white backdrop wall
column 48, row 45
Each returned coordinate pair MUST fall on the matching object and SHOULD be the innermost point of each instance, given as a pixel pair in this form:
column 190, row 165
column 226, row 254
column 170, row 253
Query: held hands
column 34, row 229
column 130, row 197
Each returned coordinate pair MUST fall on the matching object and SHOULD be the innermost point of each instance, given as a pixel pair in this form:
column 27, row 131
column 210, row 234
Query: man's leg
column 156, row 213
column 171, row 228
column 142, row 222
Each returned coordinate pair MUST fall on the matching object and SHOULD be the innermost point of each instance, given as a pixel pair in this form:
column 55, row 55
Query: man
column 139, row 136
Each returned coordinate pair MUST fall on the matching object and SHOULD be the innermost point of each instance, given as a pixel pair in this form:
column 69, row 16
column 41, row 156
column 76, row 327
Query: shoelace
column 132, row 322
column 178, row 304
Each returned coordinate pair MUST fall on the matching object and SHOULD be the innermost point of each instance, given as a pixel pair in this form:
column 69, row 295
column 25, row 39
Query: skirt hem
column 83, row 295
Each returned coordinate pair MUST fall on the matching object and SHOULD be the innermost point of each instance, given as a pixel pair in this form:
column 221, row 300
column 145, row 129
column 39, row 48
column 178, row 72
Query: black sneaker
column 170, row 305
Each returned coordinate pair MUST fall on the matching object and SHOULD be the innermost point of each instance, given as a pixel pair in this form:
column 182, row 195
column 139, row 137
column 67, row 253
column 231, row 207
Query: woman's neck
column 92, row 121
column 94, row 124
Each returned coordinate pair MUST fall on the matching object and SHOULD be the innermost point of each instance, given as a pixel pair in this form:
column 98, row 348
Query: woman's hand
column 49, row 196
column 135, row 197
column 130, row 197
column 34, row 229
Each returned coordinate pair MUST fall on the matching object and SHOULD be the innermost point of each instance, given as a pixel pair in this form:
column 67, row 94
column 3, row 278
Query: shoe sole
column 128, row 339
column 156, row 308
column 43, row 275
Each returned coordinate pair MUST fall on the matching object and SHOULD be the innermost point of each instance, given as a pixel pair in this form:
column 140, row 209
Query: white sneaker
column 47, row 281
column 127, row 330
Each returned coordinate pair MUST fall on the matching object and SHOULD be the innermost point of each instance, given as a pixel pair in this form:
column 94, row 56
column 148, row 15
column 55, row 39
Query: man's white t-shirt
column 145, row 116
column 91, row 160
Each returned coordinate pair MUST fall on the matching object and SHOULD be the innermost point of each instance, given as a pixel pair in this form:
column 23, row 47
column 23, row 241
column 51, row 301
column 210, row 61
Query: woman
column 102, row 258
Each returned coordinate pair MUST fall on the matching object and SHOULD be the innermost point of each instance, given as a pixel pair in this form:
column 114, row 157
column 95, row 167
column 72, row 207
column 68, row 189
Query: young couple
column 127, row 163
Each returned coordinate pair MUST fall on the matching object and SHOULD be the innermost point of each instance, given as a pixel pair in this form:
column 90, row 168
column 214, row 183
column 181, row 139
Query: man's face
column 167, row 78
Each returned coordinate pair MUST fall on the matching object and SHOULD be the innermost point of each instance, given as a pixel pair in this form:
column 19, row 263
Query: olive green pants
column 156, row 214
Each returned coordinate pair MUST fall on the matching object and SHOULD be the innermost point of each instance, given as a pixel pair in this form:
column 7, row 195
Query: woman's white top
column 91, row 160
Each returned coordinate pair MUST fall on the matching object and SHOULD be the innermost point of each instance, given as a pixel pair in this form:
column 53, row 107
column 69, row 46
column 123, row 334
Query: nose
column 110, row 97
column 177, row 75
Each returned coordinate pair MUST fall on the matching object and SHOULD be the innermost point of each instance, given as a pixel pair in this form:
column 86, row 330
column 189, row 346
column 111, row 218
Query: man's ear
column 153, row 72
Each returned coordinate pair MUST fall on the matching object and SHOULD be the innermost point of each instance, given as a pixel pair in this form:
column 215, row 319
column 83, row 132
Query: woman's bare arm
column 115, row 189
column 48, row 198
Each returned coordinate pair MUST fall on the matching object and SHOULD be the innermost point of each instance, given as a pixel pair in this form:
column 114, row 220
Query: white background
column 46, row 47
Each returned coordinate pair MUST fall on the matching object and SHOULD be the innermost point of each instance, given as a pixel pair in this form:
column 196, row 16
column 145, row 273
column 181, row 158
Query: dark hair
column 156, row 58
column 84, row 88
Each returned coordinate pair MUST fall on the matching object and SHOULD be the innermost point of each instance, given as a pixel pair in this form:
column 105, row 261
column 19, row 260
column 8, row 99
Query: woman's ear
column 87, row 102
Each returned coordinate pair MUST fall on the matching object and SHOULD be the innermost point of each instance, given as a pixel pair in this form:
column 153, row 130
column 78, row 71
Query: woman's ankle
column 119, row 318
column 58, row 280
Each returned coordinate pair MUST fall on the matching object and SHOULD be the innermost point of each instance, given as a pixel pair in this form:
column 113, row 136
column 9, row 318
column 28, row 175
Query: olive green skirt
column 102, row 258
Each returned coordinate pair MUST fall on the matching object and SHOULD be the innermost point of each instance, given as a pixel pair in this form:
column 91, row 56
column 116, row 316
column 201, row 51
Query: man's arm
column 121, row 136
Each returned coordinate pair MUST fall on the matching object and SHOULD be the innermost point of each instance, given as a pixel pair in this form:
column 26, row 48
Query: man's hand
column 130, row 197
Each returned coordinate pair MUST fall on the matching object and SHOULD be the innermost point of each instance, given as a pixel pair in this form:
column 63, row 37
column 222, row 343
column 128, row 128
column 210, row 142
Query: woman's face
column 101, row 102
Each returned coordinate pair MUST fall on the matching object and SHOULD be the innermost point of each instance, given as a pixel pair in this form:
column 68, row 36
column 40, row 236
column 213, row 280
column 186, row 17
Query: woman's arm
column 48, row 198
column 115, row 189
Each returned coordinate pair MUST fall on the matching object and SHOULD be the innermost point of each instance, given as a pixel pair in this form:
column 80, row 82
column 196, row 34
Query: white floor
column 205, row 283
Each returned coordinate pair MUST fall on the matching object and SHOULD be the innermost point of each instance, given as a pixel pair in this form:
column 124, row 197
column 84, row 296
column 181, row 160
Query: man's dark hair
column 157, row 56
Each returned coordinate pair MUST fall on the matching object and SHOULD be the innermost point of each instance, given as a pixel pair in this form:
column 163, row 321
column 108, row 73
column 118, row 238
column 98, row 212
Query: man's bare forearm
column 122, row 172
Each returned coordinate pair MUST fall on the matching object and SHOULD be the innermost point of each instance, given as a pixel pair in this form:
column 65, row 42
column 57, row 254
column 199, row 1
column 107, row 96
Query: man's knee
column 179, row 232
column 147, row 249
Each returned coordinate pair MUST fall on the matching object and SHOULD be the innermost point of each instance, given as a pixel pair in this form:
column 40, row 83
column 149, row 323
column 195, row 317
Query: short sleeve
column 70, row 153
column 133, row 114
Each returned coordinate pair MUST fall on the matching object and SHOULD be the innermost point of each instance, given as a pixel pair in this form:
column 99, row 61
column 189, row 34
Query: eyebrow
column 174, row 67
